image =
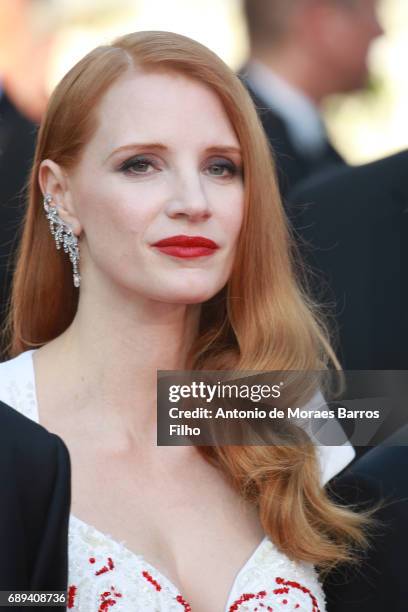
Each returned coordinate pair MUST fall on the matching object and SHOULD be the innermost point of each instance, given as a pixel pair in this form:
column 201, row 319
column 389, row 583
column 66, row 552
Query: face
column 354, row 26
column 164, row 162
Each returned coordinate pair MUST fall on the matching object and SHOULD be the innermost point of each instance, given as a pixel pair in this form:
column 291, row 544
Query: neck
column 111, row 353
column 298, row 70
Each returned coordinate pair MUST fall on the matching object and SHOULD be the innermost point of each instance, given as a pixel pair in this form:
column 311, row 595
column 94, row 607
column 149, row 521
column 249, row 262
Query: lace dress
column 103, row 573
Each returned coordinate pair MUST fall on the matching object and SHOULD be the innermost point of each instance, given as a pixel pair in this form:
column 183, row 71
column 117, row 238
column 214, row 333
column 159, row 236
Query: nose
column 190, row 199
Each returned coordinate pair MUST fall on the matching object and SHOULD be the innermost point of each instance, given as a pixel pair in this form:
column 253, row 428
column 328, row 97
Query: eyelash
column 126, row 166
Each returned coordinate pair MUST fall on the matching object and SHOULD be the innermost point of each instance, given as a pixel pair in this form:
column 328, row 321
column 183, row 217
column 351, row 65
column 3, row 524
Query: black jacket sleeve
column 35, row 503
column 379, row 582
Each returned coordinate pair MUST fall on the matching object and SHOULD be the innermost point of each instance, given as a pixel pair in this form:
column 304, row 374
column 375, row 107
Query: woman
column 156, row 176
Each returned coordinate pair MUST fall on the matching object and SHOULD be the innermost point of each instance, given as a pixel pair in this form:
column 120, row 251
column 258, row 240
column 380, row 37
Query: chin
column 358, row 82
column 189, row 298
column 191, row 288
column 189, row 295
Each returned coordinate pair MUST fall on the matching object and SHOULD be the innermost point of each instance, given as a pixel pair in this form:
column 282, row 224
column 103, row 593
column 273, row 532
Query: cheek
column 115, row 214
column 343, row 42
column 231, row 211
column 356, row 42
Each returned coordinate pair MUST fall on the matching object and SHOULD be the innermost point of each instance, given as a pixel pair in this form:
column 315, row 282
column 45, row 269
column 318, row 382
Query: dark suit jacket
column 354, row 226
column 292, row 166
column 35, row 504
column 379, row 582
column 17, row 141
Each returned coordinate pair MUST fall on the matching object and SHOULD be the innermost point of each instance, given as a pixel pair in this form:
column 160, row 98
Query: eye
column 222, row 168
column 137, row 165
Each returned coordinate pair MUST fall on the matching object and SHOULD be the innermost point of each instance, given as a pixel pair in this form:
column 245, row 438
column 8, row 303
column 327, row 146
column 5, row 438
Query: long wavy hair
column 261, row 320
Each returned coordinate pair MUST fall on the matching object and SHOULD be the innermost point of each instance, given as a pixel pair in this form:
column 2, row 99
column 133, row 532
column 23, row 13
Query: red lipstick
column 187, row 246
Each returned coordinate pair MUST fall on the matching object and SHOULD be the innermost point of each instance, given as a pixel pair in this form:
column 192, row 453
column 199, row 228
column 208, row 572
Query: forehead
column 161, row 107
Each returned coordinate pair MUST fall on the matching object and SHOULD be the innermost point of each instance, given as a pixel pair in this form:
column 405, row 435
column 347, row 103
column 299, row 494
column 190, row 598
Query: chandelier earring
column 63, row 236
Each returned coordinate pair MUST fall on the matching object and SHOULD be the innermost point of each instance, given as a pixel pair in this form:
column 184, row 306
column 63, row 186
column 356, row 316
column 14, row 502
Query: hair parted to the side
column 261, row 320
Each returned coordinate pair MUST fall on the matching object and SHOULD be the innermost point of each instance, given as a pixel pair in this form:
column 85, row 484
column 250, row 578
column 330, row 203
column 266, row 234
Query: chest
column 180, row 515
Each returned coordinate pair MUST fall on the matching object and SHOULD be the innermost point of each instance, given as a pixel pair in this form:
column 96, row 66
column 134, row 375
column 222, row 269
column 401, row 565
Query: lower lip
column 187, row 252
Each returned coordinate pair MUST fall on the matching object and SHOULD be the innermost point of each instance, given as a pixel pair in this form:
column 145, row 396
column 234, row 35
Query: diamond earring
column 63, row 235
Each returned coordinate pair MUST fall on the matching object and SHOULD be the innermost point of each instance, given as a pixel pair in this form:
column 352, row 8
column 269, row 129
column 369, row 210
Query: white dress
column 104, row 573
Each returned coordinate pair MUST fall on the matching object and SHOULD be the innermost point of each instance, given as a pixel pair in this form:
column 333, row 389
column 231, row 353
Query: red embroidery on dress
column 283, row 590
column 104, row 568
column 71, row 595
column 106, row 599
column 158, row 587
column 152, row 580
column 184, row 603
column 92, row 559
column 246, row 597
column 297, row 585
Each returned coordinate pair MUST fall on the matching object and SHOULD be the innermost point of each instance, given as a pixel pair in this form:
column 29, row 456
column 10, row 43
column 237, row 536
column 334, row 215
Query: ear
column 54, row 181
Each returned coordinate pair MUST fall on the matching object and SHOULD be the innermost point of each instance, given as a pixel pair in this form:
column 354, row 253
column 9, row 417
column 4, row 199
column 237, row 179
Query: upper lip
column 187, row 241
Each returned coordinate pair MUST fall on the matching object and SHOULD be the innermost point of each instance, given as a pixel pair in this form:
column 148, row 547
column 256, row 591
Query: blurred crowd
column 350, row 222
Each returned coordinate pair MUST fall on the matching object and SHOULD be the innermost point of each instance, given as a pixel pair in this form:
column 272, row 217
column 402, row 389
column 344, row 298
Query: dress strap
column 17, row 385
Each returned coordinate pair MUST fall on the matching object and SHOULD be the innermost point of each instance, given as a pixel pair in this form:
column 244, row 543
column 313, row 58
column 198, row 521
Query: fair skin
column 138, row 311
column 325, row 48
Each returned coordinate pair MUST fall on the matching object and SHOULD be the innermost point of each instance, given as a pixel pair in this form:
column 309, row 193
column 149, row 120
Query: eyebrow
column 158, row 146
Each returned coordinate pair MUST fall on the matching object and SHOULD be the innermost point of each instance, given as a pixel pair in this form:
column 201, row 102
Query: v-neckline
column 139, row 557
column 157, row 573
